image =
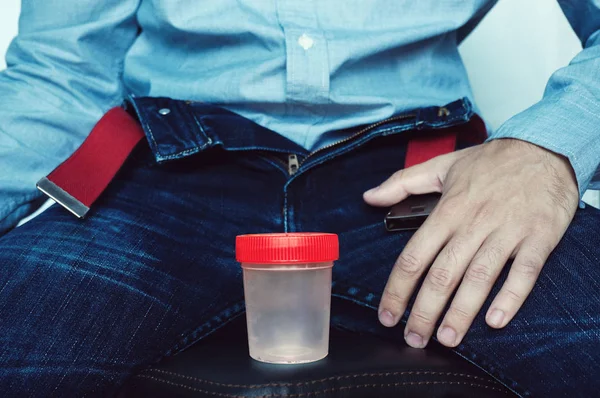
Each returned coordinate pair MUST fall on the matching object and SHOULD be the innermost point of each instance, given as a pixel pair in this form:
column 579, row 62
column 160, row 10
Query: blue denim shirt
column 303, row 68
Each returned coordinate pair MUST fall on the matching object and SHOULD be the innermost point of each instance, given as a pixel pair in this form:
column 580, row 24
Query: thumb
column 419, row 179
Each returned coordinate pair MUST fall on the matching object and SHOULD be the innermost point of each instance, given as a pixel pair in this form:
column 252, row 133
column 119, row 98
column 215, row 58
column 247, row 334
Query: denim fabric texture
column 306, row 69
column 84, row 304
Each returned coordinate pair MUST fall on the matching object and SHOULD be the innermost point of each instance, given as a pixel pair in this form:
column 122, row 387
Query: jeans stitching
column 382, row 133
column 274, row 164
column 326, row 379
column 344, row 150
column 198, row 124
column 263, row 148
column 178, row 155
column 143, row 121
column 328, row 390
column 189, row 151
column 463, row 352
column 285, row 213
column 147, row 125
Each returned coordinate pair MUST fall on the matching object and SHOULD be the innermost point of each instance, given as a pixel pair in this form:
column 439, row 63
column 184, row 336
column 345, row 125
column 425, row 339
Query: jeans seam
column 327, row 390
column 343, row 150
column 189, row 119
column 327, row 379
column 263, row 148
column 178, row 155
column 274, row 164
column 285, row 203
column 461, row 351
column 145, row 125
column 198, row 124
column 189, row 151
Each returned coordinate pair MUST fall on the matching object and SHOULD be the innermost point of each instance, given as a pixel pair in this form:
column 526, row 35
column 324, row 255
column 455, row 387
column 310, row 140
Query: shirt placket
column 307, row 66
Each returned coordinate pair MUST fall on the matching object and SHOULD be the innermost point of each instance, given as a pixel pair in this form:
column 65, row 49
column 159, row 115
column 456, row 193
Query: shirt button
column 305, row 41
column 164, row 111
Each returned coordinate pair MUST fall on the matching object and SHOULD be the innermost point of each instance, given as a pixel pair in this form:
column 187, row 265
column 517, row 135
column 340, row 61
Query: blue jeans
column 85, row 304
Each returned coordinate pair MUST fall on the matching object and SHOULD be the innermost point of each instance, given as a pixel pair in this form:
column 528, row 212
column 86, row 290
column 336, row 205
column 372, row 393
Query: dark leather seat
column 358, row 365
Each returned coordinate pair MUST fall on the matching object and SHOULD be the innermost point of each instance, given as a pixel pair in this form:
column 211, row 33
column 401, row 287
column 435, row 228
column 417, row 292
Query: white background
column 509, row 57
column 9, row 14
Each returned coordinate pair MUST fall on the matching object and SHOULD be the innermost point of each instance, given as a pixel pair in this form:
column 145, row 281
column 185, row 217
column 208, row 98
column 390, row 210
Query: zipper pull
column 292, row 164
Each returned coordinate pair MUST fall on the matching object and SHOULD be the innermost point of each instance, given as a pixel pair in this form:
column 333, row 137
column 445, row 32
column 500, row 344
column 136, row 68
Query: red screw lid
column 287, row 248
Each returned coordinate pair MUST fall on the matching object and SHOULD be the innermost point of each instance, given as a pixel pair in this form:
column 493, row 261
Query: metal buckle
column 62, row 197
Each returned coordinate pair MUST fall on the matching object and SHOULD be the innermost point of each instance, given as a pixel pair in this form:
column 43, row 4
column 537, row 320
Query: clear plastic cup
column 287, row 287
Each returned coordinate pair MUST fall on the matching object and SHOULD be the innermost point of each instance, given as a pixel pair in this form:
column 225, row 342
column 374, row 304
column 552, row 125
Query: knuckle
column 398, row 175
column 440, row 278
column 512, row 295
column 451, row 252
column 422, row 317
column 395, row 297
column 409, row 266
column 530, row 268
column 479, row 274
column 495, row 253
column 459, row 314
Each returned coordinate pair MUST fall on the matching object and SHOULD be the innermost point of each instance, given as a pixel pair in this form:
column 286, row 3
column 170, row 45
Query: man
column 151, row 269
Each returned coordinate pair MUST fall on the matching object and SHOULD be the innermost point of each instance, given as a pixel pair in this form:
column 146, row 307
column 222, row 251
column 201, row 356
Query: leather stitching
column 328, row 390
column 332, row 378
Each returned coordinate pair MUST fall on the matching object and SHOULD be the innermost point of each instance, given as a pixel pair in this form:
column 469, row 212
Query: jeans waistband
column 176, row 128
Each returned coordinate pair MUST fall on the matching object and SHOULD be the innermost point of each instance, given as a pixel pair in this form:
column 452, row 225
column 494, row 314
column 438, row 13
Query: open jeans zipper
column 293, row 163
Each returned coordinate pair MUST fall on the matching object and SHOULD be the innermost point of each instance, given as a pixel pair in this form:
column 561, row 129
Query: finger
column 526, row 267
column 422, row 178
column 480, row 276
column 418, row 253
column 439, row 284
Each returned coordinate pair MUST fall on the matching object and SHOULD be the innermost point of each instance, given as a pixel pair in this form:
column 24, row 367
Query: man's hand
column 503, row 199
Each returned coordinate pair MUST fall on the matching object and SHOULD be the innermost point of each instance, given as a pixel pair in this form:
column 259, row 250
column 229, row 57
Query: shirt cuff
column 567, row 124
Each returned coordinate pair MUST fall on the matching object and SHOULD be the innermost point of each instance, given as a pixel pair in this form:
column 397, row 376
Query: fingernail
column 496, row 318
column 386, row 318
column 371, row 191
column 447, row 336
column 414, row 340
